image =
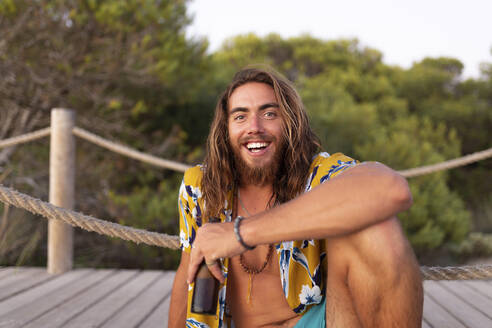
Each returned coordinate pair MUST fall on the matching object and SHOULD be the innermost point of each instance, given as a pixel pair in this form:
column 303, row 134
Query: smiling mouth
column 256, row 147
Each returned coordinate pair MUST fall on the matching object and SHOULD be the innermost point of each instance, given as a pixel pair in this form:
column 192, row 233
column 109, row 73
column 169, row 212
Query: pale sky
column 405, row 31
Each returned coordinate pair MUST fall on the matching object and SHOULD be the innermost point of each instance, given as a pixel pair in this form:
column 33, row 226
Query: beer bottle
column 206, row 290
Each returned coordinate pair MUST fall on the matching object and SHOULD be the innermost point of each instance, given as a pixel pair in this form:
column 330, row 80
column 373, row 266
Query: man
column 316, row 248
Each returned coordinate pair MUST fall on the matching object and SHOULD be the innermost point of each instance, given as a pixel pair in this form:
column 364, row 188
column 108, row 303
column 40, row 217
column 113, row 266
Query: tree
column 438, row 215
column 130, row 72
column 121, row 60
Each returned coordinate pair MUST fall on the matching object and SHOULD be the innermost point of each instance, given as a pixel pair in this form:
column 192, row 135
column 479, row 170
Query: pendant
column 250, row 286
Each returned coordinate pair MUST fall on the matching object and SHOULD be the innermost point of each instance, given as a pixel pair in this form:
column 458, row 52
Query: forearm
column 360, row 197
column 179, row 295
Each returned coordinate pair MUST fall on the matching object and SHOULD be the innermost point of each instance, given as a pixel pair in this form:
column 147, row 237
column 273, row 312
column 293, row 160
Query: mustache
column 257, row 137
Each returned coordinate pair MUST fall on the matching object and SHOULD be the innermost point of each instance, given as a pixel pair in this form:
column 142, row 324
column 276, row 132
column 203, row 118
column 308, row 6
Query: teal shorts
column 315, row 317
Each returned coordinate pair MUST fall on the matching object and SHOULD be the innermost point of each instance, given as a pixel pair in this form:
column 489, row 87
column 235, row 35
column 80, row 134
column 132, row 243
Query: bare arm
column 179, row 295
column 358, row 198
column 362, row 196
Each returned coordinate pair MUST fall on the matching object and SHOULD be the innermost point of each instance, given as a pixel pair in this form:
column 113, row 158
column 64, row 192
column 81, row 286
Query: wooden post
column 62, row 189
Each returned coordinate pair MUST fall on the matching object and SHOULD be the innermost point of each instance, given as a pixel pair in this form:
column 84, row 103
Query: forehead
column 251, row 94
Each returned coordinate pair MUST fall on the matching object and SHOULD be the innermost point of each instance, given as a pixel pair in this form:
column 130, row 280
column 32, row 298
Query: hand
column 213, row 241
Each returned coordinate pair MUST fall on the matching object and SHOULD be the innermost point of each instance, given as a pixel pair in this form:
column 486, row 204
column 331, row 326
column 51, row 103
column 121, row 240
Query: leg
column 373, row 279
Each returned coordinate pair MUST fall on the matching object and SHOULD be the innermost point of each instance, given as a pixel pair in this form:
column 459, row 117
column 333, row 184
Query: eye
column 270, row 114
column 239, row 117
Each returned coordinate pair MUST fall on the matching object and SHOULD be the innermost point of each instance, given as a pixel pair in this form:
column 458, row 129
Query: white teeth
column 254, row 145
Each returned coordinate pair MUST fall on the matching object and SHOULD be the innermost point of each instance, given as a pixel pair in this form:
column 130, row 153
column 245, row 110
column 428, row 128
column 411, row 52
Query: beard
column 258, row 175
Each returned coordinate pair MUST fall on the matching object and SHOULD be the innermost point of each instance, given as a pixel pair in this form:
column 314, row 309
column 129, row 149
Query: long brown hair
column 301, row 144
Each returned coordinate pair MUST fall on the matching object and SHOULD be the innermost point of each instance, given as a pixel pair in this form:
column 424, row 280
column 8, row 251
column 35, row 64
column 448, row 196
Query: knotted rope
column 457, row 273
column 89, row 223
column 49, row 211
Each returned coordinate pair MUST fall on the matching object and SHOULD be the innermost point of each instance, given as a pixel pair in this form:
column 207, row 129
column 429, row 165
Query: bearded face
column 258, row 173
column 255, row 127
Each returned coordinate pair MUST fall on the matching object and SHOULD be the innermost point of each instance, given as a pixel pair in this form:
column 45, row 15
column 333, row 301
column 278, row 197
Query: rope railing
column 129, row 152
column 457, row 273
column 181, row 167
column 453, row 163
column 25, row 138
column 86, row 222
column 89, row 223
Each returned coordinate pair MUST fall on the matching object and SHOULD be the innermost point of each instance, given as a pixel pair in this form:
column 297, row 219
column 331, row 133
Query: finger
column 195, row 261
column 216, row 271
column 210, row 263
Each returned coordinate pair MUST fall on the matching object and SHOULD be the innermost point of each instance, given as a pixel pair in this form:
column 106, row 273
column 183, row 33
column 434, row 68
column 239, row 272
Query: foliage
column 476, row 245
column 153, row 209
column 121, row 61
column 131, row 73
column 438, row 215
column 20, row 238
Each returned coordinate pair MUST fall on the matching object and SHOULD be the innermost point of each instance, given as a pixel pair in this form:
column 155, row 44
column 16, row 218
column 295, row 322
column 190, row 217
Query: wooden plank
column 18, row 275
column 31, row 311
column 141, row 306
column 58, row 317
column 159, row 317
column 127, row 298
column 436, row 315
column 484, row 287
column 39, row 291
column 110, row 305
column 13, row 276
column 6, row 271
column 465, row 313
column 470, row 296
column 34, row 278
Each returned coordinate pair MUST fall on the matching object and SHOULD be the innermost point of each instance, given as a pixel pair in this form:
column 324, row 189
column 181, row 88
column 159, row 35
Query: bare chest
column 257, row 299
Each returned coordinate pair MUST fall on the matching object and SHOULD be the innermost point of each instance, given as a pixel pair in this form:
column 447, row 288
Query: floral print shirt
column 301, row 262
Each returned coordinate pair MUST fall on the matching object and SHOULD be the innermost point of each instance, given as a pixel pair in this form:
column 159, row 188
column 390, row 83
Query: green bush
column 475, row 245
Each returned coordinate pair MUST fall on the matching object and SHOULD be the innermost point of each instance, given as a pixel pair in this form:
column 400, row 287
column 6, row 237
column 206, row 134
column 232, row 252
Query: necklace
column 252, row 271
column 241, row 203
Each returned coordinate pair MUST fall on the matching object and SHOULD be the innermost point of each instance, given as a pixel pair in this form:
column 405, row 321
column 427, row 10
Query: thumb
column 216, row 271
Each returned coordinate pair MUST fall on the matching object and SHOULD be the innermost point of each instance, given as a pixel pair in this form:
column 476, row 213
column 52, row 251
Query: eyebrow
column 262, row 107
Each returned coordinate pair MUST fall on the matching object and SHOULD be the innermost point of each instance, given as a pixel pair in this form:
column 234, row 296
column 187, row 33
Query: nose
column 255, row 125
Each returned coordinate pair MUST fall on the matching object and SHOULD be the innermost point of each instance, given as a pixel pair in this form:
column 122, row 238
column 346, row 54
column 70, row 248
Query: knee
column 384, row 249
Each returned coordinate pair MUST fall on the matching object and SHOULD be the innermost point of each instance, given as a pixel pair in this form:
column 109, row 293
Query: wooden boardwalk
column 29, row 297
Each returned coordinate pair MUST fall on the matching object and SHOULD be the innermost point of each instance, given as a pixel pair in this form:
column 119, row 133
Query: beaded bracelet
column 237, row 223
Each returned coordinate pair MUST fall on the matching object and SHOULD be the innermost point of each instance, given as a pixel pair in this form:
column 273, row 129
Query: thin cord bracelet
column 237, row 223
